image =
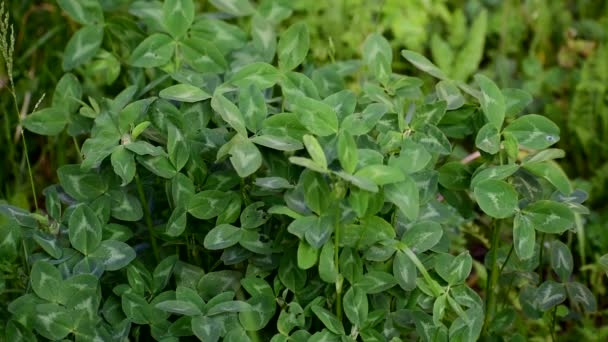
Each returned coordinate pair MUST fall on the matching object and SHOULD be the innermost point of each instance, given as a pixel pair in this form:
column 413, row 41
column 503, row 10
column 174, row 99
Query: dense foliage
column 229, row 185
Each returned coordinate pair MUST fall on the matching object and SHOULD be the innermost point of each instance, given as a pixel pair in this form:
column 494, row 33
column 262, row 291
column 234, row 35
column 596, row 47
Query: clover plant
column 231, row 191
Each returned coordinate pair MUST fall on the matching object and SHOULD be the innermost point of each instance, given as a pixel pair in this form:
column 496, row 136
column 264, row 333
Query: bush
column 231, row 190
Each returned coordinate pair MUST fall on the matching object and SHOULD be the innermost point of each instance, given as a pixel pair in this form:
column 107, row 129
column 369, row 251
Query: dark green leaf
column 82, row 46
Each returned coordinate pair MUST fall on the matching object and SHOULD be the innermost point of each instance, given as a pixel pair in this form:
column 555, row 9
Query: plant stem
column 144, row 203
column 29, row 169
column 436, row 288
column 337, row 261
column 493, row 279
column 554, row 313
column 540, row 256
column 77, row 148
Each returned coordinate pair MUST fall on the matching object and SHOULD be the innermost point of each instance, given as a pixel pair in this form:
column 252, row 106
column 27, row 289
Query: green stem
column 540, row 256
column 580, row 233
column 29, row 169
column 77, row 148
column 337, row 260
column 144, row 203
column 554, row 314
column 435, row 287
column 493, row 279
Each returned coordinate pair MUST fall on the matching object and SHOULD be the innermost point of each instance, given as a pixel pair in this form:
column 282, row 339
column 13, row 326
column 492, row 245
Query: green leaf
column 179, row 307
column 318, row 117
column 252, row 216
column 261, row 75
column 328, row 271
column 561, row 260
column 360, row 182
column 125, row 206
column 362, row 123
column 48, row 121
column 178, row 147
column 53, row 321
column 460, row 268
column 154, row 51
column 46, row 281
column 454, row 176
column 494, row 172
column 229, row 112
column 307, row 163
column 290, row 274
column 307, row 255
column 449, row 92
column 496, row 198
column 315, row 150
column 534, row 131
column 378, row 55
column 550, row 294
column 318, row 234
column 471, row 52
column 245, row 158
column 405, row 196
column 429, row 114
column 222, row 237
column 316, row 192
column 580, row 294
column 544, row 155
column 10, row 241
column 347, row 152
column 552, row 172
column 177, row 221
column 79, row 184
column 422, row 236
column 423, row 64
column 413, row 157
column 68, row 93
column 114, row 254
column 433, row 140
column 404, row 271
column 277, row 143
column 549, row 216
column 238, row 8
column 123, row 163
column 293, row 46
column 439, row 308
column 264, row 37
column 356, row 306
column 162, row 273
column 228, row 306
column 492, row 101
column 178, row 15
column 131, row 114
column 376, row 281
column 330, row 321
column 83, row 45
column 253, row 106
column 184, row 93
column 524, row 237
column 208, row 204
column 84, row 229
column 203, row 56
column 84, row 12
column 516, row 100
column 381, row 174
column 205, row 328
column 488, row 139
